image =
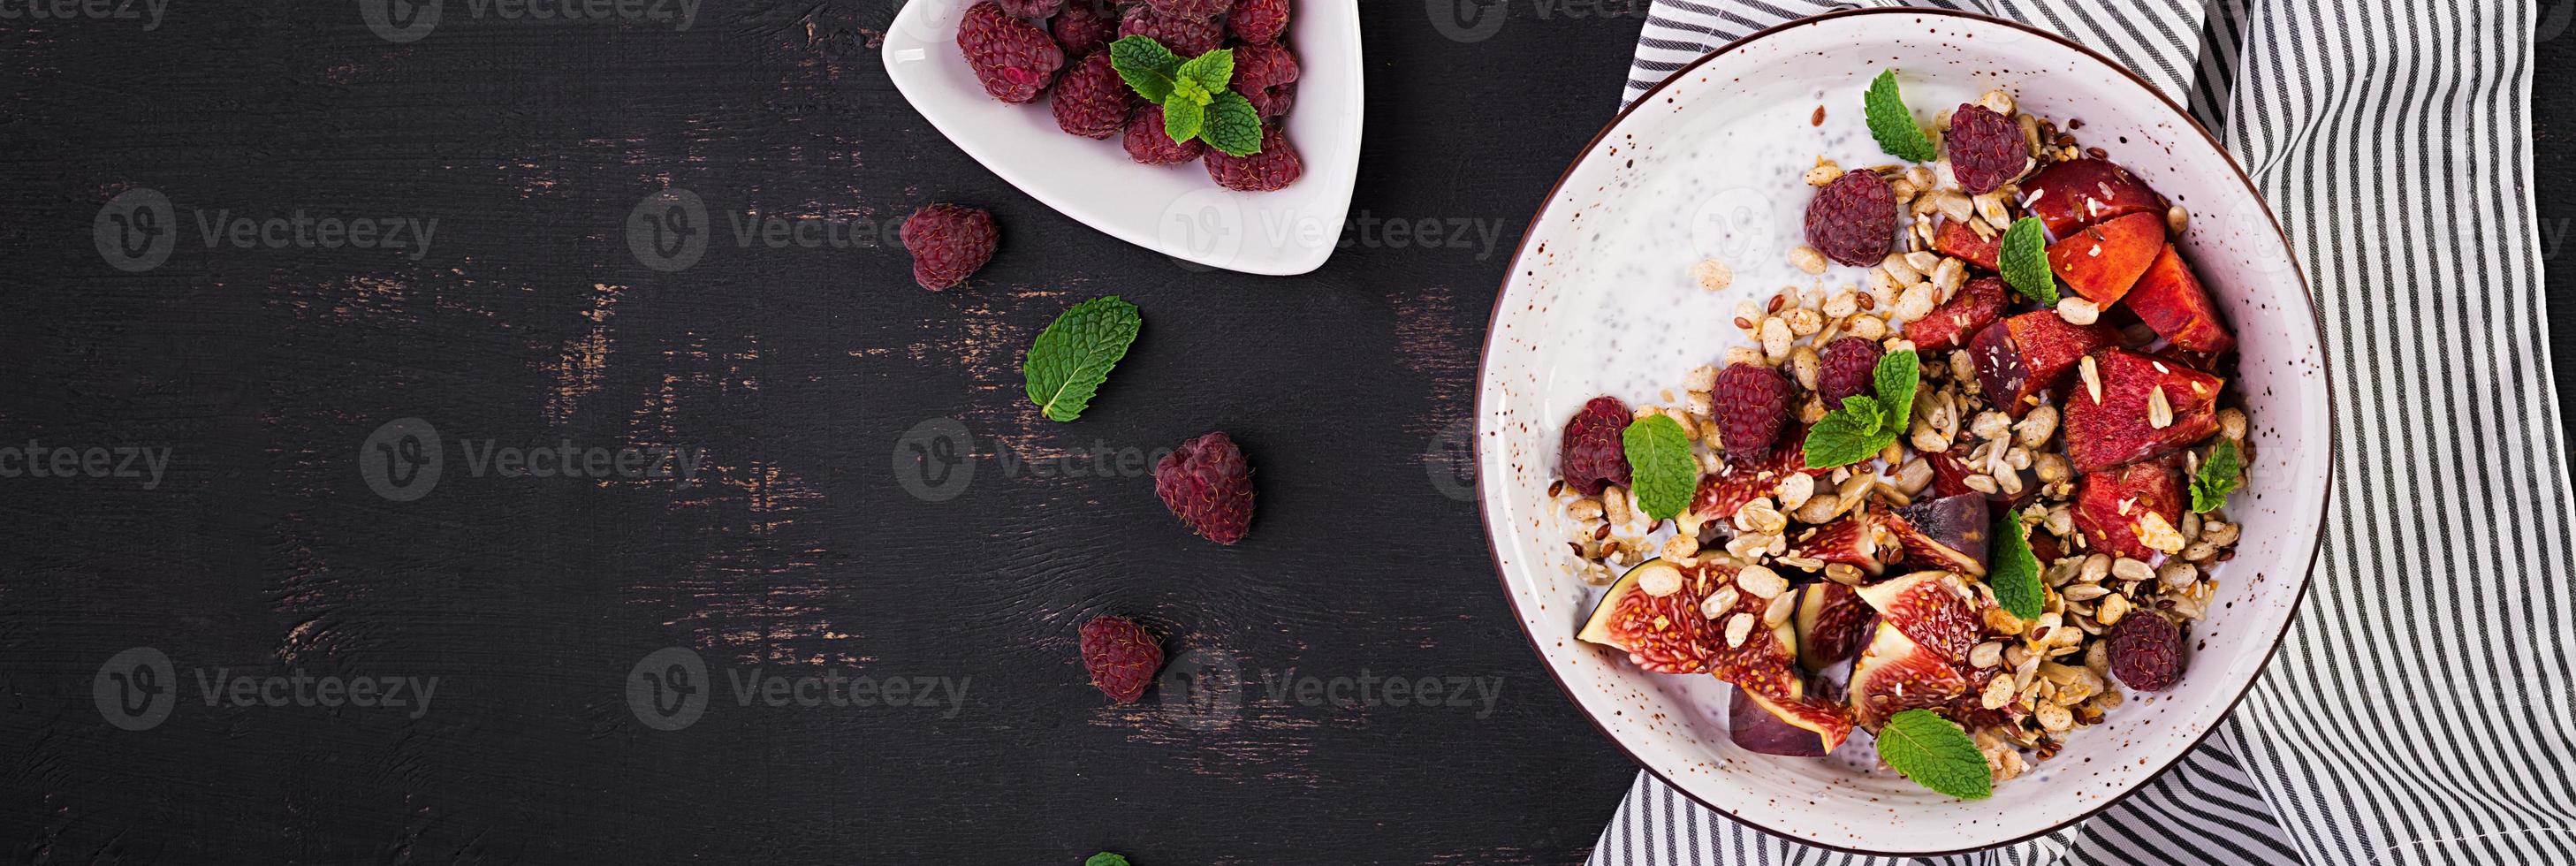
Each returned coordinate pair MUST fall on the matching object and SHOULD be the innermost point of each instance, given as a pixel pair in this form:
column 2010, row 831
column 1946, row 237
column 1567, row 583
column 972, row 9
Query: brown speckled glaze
column 1600, row 300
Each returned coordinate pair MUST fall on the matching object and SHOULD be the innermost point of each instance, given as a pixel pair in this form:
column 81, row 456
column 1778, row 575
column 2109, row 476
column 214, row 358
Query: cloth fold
column 2421, row 709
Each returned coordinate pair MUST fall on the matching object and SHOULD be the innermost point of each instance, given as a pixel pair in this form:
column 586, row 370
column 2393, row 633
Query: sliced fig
column 1949, row 532
column 1807, row 727
column 1833, row 624
column 2120, row 423
column 1721, row 493
column 1849, row 540
column 1661, row 634
column 1767, row 661
column 2071, row 195
column 1932, row 608
column 1896, row 674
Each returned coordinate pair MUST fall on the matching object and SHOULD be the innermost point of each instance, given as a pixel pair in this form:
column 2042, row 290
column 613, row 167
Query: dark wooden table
column 288, row 555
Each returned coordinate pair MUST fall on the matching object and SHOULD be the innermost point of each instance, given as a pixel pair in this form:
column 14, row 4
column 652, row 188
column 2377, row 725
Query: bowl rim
column 2297, row 270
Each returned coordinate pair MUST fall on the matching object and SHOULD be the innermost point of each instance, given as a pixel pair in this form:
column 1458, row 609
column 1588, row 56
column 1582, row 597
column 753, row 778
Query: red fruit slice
column 2102, row 261
column 1932, row 608
column 2117, row 425
column 1767, row 662
column 2078, row 193
column 1950, row 325
column 1896, row 674
column 1850, row 540
column 1956, row 240
column 1949, row 532
column 1721, row 493
column 2170, row 300
column 1808, row 727
column 1833, row 623
column 1661, row 634
column 2110, row 504
column 2020, row 357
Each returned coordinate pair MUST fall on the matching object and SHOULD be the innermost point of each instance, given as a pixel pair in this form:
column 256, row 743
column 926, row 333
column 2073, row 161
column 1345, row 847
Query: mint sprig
column 1105, row 858
column 2221, row 474
column 1891, row 124
column 1937, row 754
column 1865, row 425
column 1660, row 467
column 2014, row 572
column 1196, row 101
column 1073, row 356
column 2024, row 261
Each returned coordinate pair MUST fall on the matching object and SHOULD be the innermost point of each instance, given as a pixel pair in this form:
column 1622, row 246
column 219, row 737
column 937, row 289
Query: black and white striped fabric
column 2422, row 709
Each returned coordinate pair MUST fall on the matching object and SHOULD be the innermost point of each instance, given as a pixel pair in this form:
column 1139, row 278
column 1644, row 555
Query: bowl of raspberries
column 1906, row 432
column 1220, row 132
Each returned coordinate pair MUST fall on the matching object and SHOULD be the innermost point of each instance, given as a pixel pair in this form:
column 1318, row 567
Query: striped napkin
column 2422, row 709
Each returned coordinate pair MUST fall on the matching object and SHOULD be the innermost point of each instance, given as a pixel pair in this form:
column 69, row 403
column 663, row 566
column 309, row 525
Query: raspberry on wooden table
column 949, row 243
column 1121, row 657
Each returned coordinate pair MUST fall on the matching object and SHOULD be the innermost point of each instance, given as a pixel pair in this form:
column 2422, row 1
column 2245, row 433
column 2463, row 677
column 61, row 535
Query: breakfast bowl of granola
column 1905, row 432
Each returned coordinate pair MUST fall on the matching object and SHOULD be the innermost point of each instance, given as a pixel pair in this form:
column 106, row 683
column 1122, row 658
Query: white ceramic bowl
column 1600, row 301
column 1174, row 210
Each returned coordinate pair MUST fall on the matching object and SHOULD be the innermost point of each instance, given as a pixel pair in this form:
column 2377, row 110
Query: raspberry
column 1185, row 36
column 1082, row 28
column 1030, row 8
column 1853, row 219
column 1276, row 166
column 2146, row 651
column 1149, row 144
column 1121, row 656
column 1092, row 101
column 948, row 243
column 1850, row 366
column 1986, row 149
column 1751, row 403
column 1191, row 8
column 1013, row 58
column 1592, row 455
column 1266, row 75
column 1258, row 21
column 1207, row 485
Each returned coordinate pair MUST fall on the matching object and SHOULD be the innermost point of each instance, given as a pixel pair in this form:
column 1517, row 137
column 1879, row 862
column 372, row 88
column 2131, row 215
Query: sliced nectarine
column 2077, row 193
column 2170, row 300
column 1952, row 324
column 2102, row 261
column 2116, row 417
column 2019, row 357
column 1957, row 240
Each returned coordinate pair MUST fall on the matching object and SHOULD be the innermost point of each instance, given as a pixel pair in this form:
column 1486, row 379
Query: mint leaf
column 1211, row 70
column 1660, row 467
column 1073, row 356
column 1183, row 117
column 2013, row 572
column 1891, row 124
column 1865, row 412
column 1145, row 65
column 1896, row 377
column 1839, row 439
column 1105, row 858
column 1232, row 125
column 2024, row 261
column 1936, row 754
column 2221, row 474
